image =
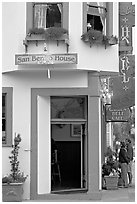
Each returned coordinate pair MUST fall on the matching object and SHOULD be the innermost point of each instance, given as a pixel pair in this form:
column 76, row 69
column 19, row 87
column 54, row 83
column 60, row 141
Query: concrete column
column 93, row 144
column 94, row 137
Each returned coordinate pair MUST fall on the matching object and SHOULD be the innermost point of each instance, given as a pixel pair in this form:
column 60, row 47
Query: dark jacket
column 123, row 158
column 130, row 152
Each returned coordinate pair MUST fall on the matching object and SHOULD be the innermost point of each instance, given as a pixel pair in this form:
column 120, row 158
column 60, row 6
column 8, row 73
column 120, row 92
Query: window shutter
column 109, row 19
column 29, row 16
column 66, row 15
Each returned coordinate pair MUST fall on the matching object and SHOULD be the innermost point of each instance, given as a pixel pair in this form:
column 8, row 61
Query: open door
column 68, row 170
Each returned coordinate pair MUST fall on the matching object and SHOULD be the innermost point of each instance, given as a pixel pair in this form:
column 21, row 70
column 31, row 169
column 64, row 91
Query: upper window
column 7, row 116
column 96, row 16
column 47, row 15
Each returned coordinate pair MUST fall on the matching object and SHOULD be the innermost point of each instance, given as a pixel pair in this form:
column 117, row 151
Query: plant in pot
column 110, row 170
column 52, row 33
column 12, row 184
column 48, row 34
column 97, row 37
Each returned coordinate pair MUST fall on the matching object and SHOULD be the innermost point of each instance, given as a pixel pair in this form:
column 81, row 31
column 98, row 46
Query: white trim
column 100, row 165
column 44, row 160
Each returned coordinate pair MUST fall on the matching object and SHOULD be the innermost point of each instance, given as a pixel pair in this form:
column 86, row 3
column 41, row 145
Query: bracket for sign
column 37, row 38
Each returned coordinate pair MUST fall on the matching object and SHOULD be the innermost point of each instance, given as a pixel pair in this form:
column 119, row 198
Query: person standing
column 123, row 160
column 130, row 156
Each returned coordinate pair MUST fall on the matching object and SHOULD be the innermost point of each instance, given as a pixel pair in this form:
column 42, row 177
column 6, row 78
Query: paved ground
column 119, row 195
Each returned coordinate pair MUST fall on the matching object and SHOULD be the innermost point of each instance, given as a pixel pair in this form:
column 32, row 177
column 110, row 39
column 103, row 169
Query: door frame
column 44, row 92
column 93, row 136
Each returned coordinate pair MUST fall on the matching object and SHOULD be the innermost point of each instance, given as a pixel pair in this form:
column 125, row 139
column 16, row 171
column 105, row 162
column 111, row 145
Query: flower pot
column 111, row 182
column 12, row 192
column 112, row 41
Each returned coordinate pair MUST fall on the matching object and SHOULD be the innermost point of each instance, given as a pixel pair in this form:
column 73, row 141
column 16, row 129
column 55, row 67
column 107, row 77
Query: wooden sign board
column 113, row 115
column 33, row 59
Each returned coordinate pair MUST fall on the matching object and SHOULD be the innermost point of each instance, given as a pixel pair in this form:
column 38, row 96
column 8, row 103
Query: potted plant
column 112, row 40
column 97, row 37
column 110, row 170
column 52, row 33
column 48, row 34
column 12, row 184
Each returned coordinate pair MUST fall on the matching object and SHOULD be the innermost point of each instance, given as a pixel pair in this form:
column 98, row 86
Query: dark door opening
column 66, row 163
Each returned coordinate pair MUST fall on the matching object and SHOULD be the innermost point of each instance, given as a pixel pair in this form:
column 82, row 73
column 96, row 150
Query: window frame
column 30, row 15
column 109, row 18
column 9, row 106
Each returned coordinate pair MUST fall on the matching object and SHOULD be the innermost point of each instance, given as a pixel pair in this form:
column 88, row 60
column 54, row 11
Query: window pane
column 47, row 15
column 68, row 107
column 4, row 118
column 96, row 16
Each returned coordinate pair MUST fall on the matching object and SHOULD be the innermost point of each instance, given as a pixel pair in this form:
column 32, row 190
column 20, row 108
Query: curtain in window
column 60, row 7
column 40, row 15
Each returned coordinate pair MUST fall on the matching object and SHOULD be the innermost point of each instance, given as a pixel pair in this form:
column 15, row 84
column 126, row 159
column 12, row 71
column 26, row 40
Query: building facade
column 51, row 90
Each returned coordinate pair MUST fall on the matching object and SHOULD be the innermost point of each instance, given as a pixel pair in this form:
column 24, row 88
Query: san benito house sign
column 28, row 59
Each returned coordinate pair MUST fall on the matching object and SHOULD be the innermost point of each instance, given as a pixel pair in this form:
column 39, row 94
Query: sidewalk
column 120, row 195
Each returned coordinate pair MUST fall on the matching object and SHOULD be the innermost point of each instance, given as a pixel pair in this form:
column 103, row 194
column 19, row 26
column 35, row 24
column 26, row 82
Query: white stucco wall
column 14, row 31
column 22, row 82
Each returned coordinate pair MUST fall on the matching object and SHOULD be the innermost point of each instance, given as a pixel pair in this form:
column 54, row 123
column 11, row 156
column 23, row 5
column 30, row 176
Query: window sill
column 101, row 43
column 96, row 37
column 41, row 37
column 6, row 145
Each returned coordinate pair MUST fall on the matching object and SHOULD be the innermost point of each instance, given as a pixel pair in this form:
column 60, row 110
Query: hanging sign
column 126, row 22
column 32, row 59
column 114, row 115
column 127, row 67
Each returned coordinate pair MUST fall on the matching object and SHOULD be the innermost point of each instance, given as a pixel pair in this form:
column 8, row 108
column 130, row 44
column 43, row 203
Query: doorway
column 68, row 144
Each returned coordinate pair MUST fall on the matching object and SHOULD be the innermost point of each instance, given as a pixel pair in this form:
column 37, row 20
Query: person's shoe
column 121, row 186
column 125, row 186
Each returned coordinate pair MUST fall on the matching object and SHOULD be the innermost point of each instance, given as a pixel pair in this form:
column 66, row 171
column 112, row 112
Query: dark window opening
column 96, row 16
column 3, row 118
column 6, row 116
column 94, row 22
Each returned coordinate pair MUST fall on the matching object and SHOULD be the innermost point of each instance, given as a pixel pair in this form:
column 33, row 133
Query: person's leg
column 124, row 174
column 130, row 172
